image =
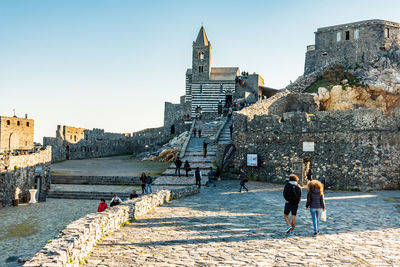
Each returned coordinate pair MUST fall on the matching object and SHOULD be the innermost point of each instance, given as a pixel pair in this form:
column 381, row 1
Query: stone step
column 95, row 180
column 86, row 195
column 194, row 165
column 183, row 172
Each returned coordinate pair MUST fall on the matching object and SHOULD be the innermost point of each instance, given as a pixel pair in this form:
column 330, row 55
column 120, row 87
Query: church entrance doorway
column 228, row 101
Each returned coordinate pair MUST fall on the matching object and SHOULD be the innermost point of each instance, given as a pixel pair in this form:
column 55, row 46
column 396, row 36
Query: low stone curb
column 77, row 240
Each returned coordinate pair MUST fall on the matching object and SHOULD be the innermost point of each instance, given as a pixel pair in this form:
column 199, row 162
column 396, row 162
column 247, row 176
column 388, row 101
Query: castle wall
column 365, row 40
column 19, row 172
column 79, row 143
column 174, row 114
column 16, row 133
column 354, row 149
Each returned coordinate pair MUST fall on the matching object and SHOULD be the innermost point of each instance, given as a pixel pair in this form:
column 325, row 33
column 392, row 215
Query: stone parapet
column 77, row 240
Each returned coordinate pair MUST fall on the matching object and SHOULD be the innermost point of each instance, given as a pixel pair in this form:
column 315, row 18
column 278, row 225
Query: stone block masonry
column 353, row 149
column 19, row 172
column 77, row 240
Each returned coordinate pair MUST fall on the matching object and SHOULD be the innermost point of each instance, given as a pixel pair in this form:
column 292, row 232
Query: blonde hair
column 315, row 184
column 293, row 177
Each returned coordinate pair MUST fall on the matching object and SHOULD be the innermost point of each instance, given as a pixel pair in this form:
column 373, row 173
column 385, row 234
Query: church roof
column 202, row 38
column 224, row 74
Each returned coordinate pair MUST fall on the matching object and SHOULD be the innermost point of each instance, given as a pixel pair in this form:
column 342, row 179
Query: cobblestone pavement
column 221, row 227
column 25, row 229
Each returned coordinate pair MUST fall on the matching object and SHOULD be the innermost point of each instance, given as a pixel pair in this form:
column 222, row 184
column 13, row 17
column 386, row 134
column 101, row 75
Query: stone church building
column 210, row 90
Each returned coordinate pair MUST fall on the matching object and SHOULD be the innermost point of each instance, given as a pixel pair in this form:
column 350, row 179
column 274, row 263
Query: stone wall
column 16, row 133
column 77, row 240
column 79, row 143
column 365, row 40
column 354, row 149
column 21, row 172
column 177, row 115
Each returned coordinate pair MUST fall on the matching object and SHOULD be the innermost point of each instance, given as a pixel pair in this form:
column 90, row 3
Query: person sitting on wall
column 115, row 201
column 102, row 206
column 133, row 194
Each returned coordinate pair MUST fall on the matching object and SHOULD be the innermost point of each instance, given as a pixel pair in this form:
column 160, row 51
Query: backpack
column 293, row 194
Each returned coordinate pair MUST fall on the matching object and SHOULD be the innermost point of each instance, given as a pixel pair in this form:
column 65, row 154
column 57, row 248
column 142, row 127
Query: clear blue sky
column 112, row 64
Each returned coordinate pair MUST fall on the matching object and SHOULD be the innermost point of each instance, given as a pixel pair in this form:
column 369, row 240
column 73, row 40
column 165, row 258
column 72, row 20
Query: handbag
column 323, row 216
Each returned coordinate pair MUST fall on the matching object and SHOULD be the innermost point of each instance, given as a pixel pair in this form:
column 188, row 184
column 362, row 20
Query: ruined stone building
column 77, row 143
column 209, row 89
column 15, row 134
column 351, row 43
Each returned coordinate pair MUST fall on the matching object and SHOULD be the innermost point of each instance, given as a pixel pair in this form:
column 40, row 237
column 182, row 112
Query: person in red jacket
column 102, row 206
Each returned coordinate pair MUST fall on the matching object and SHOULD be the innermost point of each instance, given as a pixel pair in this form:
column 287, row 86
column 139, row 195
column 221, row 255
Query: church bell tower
column 201, row 64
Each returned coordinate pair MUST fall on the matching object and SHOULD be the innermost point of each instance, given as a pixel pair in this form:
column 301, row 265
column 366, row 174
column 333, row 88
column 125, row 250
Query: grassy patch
column 321, row 82
column 392, row 199
column 27, row 228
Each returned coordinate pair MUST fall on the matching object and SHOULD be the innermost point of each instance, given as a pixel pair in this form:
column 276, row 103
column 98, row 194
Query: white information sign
column 252, row 160
column 308, row 146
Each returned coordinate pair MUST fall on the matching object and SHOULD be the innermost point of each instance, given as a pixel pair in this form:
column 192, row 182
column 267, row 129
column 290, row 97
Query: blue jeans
column 211, row 181
column 315, row 216
column 147, row 188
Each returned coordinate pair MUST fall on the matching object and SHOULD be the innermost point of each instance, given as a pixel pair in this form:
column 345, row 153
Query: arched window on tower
column 221, row 88
column 201, row 55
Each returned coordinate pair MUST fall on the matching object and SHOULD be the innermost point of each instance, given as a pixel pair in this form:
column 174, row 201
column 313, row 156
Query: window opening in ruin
column 173, row 129
column 347, row 35
column 201, row 55
column 27, row 123
column 307, row 171
column 338, row 37
column 71, row 137
column 26, row 143
column 18, row 123
column 201, row 69
column 324, row 53
column 221, row 88
column 387, row 33
column 356, row 34
column 74, row 138
column 201, row 88
column 8, row 122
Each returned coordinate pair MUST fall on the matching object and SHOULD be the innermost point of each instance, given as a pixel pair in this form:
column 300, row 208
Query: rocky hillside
column 372, row 85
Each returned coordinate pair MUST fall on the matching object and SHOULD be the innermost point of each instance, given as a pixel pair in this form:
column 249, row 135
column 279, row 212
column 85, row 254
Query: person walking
column 200, row 131
column 115, row 201
column 197, row 176
column 243, row 181
column 149, row 181
column 315, row 202
column 187, row 168
column 178, row 164
column 205, row 148
column 194, row 132
column 102, row 205
column 211, row 177
column 231, row 130
column 143, row 182
column 292, row 195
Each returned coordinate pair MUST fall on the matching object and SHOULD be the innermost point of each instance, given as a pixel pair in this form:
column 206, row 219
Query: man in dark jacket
column 178, row 164
column 292, row 195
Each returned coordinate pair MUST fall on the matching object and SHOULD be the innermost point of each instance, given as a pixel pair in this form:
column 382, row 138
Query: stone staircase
column 194, row 154
column 86, row 195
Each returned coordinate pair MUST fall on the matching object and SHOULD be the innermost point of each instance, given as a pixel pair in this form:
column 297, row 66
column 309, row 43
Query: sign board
column 308, row 146
column 252, row 160
column 38, row 169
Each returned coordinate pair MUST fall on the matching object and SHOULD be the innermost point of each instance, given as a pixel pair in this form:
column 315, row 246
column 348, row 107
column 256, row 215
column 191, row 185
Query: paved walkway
column 221, row 227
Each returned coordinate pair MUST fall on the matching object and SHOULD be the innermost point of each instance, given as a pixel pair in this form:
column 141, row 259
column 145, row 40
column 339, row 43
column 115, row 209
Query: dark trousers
column 143, row 188
column 198, row 182
column 204, row 152
column 178, row 170
column 243, row 186
column 187, row 172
